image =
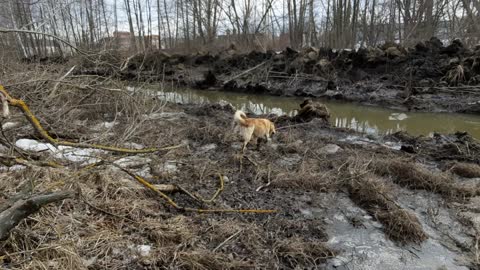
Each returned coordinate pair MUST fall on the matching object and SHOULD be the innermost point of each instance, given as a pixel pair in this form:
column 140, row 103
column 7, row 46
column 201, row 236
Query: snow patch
column 83, row 155
column 330, row 149
column 105, row 125
column 133, row 161
column 16, row 167
column 208, row 147
column 170, row 166
column 133, row 145
column 10, row 125
column 33, row 145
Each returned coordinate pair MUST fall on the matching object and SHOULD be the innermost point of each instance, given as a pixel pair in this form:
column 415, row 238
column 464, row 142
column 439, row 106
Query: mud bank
column 428, row 77
column 343, row 200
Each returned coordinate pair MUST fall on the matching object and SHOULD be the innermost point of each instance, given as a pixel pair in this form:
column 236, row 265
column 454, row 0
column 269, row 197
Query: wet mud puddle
column 365, row 119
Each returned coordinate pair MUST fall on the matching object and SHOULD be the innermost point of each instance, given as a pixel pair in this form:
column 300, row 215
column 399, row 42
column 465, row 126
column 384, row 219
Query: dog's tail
column 240, row 117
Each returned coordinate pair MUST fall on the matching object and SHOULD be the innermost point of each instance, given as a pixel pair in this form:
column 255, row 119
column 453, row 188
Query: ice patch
column 10, row 125
column 133, row 161
column 16, row 167
column 33, row 145
column 330, row 149
column 208, row 147
column 170, row 166
column 83, row 155
column 133, row 145
column 144, row 250
column 105, row 125
column 397, row 116
column 86, row 155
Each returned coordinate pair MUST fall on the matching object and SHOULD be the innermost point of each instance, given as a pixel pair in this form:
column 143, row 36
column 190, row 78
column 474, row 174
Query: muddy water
column 367, row 119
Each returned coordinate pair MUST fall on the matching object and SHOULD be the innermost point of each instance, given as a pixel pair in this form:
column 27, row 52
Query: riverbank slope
column 430, row 76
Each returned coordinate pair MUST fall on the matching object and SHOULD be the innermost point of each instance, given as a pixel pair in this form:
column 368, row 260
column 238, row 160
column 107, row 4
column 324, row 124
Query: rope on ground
column 44, row 134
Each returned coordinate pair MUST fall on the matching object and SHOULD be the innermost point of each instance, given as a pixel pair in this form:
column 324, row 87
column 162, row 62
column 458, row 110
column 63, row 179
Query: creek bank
column 427, row 77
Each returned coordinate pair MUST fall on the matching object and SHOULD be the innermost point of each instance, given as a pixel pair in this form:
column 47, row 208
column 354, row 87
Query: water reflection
column 366, row 119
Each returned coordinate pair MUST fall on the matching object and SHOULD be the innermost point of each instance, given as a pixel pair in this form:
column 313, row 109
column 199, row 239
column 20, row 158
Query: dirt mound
column 309, row 110
column 427, row 60
column 389, row 75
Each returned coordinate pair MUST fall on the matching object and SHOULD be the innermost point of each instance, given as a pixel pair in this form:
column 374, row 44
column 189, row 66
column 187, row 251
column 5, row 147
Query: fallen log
column 25, row 207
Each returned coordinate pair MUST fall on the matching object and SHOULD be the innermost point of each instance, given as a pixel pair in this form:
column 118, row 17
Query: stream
column 362, row 118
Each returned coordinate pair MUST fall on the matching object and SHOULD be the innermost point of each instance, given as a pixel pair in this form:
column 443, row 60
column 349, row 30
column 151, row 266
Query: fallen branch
column 226, row 240
column 44, row 134
column 22, row 208
column 55, row 87
column 172, row 203
column 12, row 160
column 244, row 72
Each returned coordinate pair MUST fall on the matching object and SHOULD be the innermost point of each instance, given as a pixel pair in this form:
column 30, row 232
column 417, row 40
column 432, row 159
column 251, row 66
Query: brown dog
column 253, row 128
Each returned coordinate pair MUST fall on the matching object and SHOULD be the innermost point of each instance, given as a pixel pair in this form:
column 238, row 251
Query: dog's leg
column 259, row 142
column 244, row 146
column 247, row 136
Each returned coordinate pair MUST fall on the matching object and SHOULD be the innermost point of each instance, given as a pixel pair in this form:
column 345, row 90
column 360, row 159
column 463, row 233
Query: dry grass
column 298, row 181
column 456, row 75
column 371, row 192
column 414, row 176
column 111, row 219
column 467, row 170
column 376, row 197
column 299, row 254
column 402, row 226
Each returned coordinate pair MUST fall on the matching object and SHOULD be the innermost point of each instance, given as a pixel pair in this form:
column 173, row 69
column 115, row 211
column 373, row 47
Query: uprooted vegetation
column 114, row 220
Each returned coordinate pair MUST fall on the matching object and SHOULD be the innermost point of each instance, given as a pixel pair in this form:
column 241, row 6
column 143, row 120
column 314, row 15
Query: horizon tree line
column 193, row 25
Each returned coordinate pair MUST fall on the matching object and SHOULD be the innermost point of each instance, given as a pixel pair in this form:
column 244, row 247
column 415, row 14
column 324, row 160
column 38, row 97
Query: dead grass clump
column 296, row 253
column 204, row 259
column 312, row 182
column 371, row 192
column 233, row 236
column 401, row 226
column 375, row 196
column 467, row 170
column 172, row 231
column 456, row 75
column 412, row 175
